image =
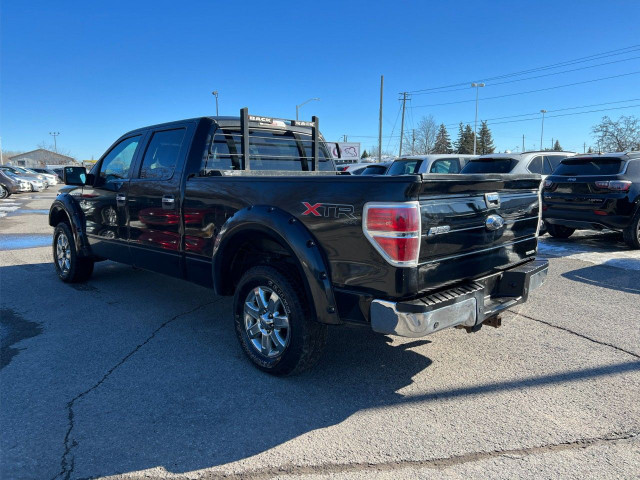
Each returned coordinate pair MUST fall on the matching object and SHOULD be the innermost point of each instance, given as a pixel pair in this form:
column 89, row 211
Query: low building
column 40, row 158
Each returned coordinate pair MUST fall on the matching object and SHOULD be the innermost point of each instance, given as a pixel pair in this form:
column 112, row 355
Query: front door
column 103, row 203
column 154, row 202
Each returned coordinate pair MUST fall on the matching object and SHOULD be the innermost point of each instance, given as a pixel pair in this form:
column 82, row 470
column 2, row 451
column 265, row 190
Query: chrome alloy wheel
column 63, row 253
column 266, row 321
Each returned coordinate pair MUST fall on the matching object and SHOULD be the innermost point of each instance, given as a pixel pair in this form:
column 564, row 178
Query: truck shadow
column 621, row 274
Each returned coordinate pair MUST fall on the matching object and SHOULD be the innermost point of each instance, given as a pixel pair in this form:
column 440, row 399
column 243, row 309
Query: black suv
column 595, row 192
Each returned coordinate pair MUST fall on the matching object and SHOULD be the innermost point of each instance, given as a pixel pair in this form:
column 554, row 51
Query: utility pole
column 584, row 147
column 215, row 94
column 404, row 103
column 551, row 143
column 380, row 121
column 344, row 138
column 523, row 142
column 413, row 142
column 475, row 123
column 542, row 129
column 55, row 144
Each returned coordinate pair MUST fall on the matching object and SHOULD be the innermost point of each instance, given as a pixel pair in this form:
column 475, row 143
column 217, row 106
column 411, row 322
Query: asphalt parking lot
column 136, row 375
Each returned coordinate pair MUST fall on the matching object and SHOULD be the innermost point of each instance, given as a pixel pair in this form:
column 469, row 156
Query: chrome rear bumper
column 465, row 305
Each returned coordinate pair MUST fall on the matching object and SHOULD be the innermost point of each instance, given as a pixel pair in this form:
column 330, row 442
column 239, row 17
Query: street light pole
column 215, row 94
column 542, row 129
column 306, row 101
column 55, row 143
column 475, row 123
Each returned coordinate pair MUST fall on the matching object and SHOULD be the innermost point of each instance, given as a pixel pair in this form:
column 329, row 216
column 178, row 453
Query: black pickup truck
column 253, row 207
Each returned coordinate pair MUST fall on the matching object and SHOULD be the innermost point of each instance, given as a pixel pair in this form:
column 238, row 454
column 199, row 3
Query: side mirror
column 75, row 175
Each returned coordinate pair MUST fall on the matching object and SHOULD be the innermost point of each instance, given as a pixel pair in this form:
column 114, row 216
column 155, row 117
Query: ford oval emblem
column 494, row 222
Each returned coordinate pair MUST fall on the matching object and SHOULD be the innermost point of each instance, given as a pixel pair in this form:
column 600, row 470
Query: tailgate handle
column 492, row 200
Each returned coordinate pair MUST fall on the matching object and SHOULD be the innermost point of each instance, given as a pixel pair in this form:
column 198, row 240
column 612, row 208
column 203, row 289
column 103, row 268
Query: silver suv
column 543, row 163
column 444, row 163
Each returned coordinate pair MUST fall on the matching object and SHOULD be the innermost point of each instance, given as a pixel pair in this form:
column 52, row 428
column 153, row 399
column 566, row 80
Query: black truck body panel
column 315, row 218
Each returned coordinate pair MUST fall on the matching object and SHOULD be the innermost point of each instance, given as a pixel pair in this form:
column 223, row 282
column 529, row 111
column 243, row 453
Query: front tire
column 632, row 232
column 273, row 323
column 69, row 266
column 559, row 231
column 4, row 192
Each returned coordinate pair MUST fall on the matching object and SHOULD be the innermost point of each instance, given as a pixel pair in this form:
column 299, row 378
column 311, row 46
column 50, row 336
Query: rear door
column 154, row 200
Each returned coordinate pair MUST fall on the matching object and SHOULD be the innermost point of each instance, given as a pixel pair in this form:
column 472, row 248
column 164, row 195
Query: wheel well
column 58, row 216
column 249, row 249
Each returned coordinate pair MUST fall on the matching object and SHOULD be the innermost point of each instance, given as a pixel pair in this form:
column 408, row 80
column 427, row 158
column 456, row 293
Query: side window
column 161, row 157
column 535, row 166
column 449, row 165
column 547, row 167
column 117, row 164
column 554, row 161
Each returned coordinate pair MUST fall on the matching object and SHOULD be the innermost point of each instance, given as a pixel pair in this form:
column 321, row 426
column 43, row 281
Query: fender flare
column 66, row 204
column 291, row 233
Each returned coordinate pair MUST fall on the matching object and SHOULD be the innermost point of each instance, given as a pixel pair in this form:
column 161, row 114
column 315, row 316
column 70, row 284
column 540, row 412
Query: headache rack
column 255, row 123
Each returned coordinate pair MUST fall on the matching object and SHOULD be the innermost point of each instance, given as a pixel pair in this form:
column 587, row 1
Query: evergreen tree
column 365, row 154
column 443, row 142
column 460, row 139
column 590, row 150
column 466, row 144
column 485, row 140
column 557, row 147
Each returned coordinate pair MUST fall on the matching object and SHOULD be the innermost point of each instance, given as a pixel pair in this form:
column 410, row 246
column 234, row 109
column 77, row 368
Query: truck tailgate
column 473, row 225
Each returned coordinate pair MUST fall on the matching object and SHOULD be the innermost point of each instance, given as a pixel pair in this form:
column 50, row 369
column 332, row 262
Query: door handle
column 121, row 198
column 168, row 201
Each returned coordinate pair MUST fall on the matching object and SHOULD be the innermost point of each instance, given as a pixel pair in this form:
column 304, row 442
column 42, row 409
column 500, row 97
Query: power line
column 529, row 91
column 550, row 111
column 532, row 78
column 529, row 119
column 597, row 56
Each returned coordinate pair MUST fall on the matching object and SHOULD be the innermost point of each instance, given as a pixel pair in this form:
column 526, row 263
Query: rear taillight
column 614, row 185
column 394, row 230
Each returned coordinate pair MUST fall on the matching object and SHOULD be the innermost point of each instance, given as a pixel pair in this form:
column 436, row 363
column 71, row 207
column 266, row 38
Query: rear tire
column 273, row 323
column 559, row 231
column 632, row 232
column 69, row 266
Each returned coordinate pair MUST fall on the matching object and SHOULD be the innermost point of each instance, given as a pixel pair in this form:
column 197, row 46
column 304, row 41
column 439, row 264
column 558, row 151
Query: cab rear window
column 589, row 166
column 404, row 167
column 490, row 165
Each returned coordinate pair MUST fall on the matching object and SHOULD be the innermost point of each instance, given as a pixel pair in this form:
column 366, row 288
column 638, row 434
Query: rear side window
column 535, row 166
column 268, row 150
column 162, row 154
column 448, row 165
column 404, row 167
column 117, row 164
column 490, row 165
column 589, row 166
column 374, row 170
column 553, row 161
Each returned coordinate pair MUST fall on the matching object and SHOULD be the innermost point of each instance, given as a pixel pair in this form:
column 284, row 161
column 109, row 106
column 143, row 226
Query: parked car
column 441, row 163
column 253, row 208
column 10, row 183
column 542, row 163
column 355, row 168
column 50, row 175
column 595, row 192
column 379, row 168
column 37, row 183
column 28, row 171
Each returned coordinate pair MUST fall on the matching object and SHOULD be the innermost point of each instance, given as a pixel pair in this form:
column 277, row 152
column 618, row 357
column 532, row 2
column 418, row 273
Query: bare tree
column 618, row 135
column 422, row 140
column 62, row 151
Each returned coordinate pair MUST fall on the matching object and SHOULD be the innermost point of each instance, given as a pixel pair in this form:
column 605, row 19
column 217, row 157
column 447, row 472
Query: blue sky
column 93, row 70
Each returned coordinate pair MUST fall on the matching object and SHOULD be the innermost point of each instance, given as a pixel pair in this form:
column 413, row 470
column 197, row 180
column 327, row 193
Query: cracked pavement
column 136, row 375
